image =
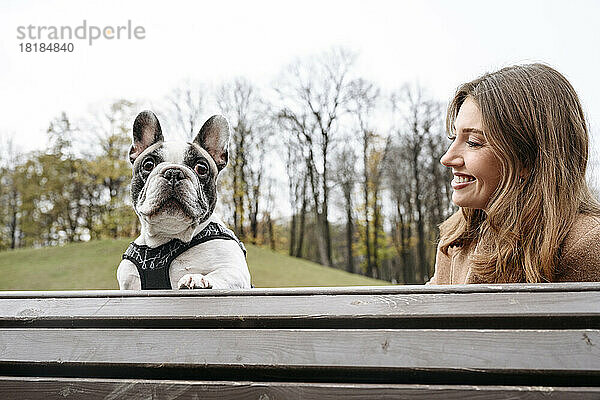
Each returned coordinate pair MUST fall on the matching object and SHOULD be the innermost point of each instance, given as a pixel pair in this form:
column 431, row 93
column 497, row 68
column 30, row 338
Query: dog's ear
column 214, row 138
column 146, row 132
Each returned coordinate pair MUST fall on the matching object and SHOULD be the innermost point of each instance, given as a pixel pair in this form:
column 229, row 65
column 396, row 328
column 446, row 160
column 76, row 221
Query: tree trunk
column 254, row 216
column 320, row 243
column 369, row 270
column 271, row 232
column 406, row 267
column 325, row 214
column 349, row 231
column 422, row 265
column 298, row 252
column 13, row 228
column 376, row 222
column 411, row 271
column 292, row 234
column 327, row 231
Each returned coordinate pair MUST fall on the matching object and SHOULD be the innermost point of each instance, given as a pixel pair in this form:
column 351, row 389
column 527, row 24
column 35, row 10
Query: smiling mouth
column 461, row 181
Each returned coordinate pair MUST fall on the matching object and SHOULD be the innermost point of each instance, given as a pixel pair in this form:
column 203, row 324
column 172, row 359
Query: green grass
column 93, row 265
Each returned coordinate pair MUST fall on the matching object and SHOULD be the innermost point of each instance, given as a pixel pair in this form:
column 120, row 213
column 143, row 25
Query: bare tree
column 186, row 104
column 415, row 140
column 362, row 101
column 248, row 114
column 268, row 213
column 297, row 185
column 378, row 159
column 345, row 177
column 418, row 132
column 301, row 126
column 313, row 95
column 398, row 175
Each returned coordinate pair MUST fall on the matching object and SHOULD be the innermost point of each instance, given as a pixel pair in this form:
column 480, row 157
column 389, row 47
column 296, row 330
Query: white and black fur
column 174, row 193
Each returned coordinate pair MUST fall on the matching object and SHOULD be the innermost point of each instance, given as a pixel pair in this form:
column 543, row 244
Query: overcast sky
column 440, row 44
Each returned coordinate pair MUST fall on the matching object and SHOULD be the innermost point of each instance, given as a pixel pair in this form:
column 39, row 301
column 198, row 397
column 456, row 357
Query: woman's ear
column 523, row 174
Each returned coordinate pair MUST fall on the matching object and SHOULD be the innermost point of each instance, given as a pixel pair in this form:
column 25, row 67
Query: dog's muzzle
column 174, row 175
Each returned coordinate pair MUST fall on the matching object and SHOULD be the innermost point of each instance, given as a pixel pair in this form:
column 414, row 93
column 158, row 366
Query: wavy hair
column 536, row 127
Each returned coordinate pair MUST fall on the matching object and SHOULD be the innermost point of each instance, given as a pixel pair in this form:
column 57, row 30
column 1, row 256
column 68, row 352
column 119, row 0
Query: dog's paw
column 194, row 281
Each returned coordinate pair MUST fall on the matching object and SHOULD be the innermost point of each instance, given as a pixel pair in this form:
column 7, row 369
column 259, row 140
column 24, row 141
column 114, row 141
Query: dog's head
column 174, row 183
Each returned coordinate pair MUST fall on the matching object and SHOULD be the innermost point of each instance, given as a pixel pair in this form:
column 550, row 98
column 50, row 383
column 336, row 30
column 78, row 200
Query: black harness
column 153, row 263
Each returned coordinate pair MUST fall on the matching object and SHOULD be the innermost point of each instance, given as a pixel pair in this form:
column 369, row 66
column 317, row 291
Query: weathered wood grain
column 481, row 350
column 121, row 389
column 389, row 309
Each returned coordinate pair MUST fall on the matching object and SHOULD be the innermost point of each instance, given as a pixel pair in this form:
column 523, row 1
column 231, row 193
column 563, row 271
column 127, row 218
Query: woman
column 519, row 153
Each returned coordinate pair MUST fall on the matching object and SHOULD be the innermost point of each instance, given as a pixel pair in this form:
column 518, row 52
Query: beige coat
column 579, row 262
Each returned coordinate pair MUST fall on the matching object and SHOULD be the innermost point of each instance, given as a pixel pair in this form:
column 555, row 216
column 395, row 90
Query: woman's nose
column 452, row 157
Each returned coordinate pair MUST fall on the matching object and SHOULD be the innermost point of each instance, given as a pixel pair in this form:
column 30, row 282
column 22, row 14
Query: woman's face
column 477, row 171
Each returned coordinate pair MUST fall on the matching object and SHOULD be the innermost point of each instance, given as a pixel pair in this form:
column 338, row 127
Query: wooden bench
column 424, row 342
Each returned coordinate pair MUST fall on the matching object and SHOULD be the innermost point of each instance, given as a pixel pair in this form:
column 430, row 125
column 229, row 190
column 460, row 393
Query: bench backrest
column 310, row 338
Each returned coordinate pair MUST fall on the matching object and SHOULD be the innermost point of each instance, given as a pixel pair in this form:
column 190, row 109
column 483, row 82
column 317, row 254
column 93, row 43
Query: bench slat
column 482, row 350
column 472, row 305
column 124, row 389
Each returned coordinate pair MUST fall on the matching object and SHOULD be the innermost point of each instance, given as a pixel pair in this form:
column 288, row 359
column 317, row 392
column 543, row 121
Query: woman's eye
column 201, row 169
column 473, row 144
column 148, row 165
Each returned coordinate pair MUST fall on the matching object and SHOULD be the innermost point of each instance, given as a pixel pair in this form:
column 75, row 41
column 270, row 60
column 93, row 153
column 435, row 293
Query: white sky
column 440, row 44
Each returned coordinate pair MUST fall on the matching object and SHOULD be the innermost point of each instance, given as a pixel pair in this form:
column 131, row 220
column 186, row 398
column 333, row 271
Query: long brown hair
column 535, row 125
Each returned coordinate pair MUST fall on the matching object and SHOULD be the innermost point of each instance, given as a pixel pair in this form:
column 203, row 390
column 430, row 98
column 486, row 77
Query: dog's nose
column 173, row 175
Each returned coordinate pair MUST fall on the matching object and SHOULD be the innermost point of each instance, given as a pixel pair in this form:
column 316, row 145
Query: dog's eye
column 201, row 168
column 148, row 165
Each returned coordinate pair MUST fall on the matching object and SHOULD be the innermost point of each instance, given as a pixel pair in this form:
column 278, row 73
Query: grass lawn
column 93, row 265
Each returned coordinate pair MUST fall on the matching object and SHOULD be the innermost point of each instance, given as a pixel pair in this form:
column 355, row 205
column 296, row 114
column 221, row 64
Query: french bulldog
column 182, row 244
